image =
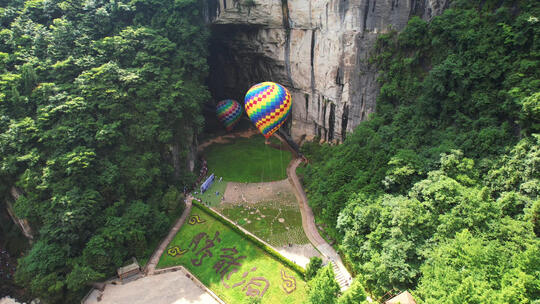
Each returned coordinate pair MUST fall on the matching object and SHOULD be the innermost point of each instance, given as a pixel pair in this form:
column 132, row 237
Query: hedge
column 301, row 271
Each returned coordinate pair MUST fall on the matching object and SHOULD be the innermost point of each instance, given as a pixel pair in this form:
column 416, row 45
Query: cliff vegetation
column 99, row 103
column 437, row 192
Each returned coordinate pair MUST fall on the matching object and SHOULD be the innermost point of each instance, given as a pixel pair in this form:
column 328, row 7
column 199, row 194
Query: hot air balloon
column 268, row 105
column 229, row 113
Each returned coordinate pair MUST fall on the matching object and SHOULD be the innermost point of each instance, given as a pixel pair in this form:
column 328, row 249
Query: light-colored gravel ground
column 166, row 288
column 257, row 192
column 300, row 254
column 252, row 193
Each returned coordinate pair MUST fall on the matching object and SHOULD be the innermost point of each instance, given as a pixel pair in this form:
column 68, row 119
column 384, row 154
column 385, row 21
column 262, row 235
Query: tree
column 92, row 98
column 80, row 276
column 388, row 236
column 354, row 295
column 315, row 263
column 323, row 288
column 450, row 147
column 469, row 269
column 441, row 90
column 40, row 270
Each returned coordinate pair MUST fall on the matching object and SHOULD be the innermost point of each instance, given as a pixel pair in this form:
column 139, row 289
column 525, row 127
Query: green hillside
column 437, row 191
column 94, row 96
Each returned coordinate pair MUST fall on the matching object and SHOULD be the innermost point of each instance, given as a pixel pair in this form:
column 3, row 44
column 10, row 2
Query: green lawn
column 247, row 160
column 256, row 268
column 209, row 197
column 262, row 219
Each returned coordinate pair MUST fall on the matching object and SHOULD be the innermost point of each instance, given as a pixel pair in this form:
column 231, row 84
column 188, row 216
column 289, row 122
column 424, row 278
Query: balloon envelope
column 268, row 105
column 229, row 113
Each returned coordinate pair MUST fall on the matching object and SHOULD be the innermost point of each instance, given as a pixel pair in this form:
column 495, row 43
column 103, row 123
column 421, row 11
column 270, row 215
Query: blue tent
column 207, row 183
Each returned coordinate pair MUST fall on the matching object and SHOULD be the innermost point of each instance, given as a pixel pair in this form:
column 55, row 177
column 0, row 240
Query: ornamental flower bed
column 231, row 265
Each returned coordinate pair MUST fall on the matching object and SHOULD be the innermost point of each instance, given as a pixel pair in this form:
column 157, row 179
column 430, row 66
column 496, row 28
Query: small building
column 129, row 270
column 402, row 298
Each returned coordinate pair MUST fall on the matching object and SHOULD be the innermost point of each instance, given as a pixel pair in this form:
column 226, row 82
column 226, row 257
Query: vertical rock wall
column 319, row 49
column 21, row 223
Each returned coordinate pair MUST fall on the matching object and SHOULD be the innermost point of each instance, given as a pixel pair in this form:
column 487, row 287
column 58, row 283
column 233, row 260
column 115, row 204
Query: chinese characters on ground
column 204, row 251
column 227, row 260
column 228, row 264
column 223, row 267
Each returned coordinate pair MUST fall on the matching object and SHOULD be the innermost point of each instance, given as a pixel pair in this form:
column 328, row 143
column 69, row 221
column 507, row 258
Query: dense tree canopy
column 323, row 288
column 99, row 103
column 354, row 295
column 315, row 263
column 438, row 190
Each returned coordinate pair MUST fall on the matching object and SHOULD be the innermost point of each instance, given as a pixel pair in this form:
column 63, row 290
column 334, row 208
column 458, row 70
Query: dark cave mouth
column 233, row 68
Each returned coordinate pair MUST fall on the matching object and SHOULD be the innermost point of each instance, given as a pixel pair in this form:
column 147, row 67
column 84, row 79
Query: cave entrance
column 238, row 59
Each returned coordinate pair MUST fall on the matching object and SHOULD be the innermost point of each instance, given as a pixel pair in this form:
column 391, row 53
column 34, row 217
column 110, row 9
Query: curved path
column 308, row 220
column 308, row 223
column 154, row 259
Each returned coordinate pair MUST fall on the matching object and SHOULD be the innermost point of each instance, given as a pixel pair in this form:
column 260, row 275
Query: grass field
column 263, row 220
column 253, row 274
column 247, row 160
column 209, row 197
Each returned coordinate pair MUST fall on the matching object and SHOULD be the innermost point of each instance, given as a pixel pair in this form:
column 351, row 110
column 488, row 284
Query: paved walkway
column 176, row 288
column 154, row 259
column 308, row 223
column 166, row 288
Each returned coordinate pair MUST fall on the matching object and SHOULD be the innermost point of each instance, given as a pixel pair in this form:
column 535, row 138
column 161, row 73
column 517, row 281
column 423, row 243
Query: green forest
column 438, row 191
column 99, row 105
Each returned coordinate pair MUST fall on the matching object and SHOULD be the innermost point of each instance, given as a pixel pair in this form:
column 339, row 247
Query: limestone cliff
column 317, row 48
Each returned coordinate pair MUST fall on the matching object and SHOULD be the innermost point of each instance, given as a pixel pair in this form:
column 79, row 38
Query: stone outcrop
column 21, row 223
column 319, row 49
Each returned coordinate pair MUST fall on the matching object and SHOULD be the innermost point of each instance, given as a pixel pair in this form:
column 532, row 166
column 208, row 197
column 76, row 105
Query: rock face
column 21, row 223
column 319, row 49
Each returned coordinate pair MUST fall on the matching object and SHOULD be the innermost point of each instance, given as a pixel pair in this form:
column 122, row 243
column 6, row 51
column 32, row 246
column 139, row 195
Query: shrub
column 315, row 263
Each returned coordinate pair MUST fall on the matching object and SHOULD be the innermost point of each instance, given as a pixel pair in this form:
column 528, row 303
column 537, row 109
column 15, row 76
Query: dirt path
column 154, row 259
column 223, row 139
column 308, row 221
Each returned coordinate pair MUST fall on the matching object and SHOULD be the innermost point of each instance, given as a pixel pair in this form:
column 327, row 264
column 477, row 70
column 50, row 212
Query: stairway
column 340, row 277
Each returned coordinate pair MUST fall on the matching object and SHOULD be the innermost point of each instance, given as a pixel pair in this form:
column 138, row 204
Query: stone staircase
column 341, row 279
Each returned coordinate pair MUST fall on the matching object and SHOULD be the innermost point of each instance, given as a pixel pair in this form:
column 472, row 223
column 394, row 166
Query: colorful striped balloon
column 229, row 113
column 268, row 105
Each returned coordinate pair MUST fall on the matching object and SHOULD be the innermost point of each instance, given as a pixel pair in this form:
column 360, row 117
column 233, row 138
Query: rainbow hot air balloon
column 268, row 105
column 229, row 113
